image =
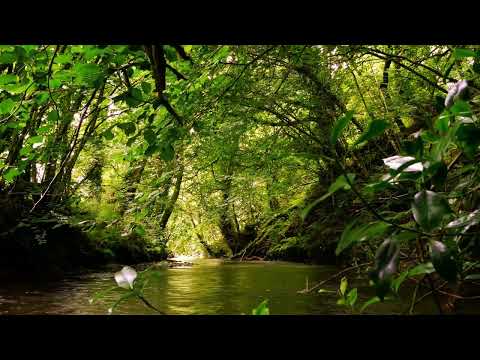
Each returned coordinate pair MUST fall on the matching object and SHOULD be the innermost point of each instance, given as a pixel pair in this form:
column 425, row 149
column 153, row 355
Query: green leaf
column 429, row 136
column 62, row 76
column 172, row 134
column 132, row 139
column 79, row 49
column 437, row 173
column 88, row 74
column 150, row 136
column 340, row 126
column 7, row 79
column 139, row 229
column 136, row 94
column 429, row 209
column 11, row 174
column 460, row 53
column 476, row 67
column 26, row 151
column 349, row 236
column 42, row 98
column 221, row 54
column 440, row 103
column 421, row 269
column 399, row 280
column 108, row 134
column 468, row 138
column 340, row 183
column 21, row 54
column 35, row 139
column 352, row 297
column 122, row 97
column 343, row 286
column 461, row 108
column 377, row 187
column 16, row 89
column 44, row 130
column 262, row 309
column 151, row 149
column 146, row 88
column 440, row 146
column 133, row 101
column 443, row 122
column 63, row 59
column 128, row 128
column 170, row 53
column 366, row 232
column 404, row 236
column 14, row 125
column 55, row 83
column 93, row 52
column 375, row 128
column 7, row 58
column 52, row 116
column 372, row 301
column 6, row 106
column 386, row 261
column 443, row 260
column 167, row 153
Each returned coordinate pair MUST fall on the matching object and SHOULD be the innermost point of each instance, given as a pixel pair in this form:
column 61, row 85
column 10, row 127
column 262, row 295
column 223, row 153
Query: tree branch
column 176, row 72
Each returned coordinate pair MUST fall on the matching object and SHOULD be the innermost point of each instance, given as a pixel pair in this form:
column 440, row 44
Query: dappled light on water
column 207, row 287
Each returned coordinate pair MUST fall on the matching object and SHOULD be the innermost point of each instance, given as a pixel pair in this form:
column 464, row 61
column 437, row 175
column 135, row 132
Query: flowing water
column 206, row 287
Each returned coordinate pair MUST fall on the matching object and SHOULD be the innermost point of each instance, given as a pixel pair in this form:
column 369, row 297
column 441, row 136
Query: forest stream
column 204, row 287
column 361, row 159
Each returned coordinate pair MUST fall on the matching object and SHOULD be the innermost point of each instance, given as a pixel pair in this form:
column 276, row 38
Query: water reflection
column 208, row 287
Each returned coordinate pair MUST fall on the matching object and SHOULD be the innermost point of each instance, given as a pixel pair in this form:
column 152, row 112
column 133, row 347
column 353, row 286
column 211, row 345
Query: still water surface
column 207, row 287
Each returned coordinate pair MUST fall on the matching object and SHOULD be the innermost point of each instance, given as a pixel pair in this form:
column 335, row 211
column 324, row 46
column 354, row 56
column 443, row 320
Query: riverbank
column 52, row 249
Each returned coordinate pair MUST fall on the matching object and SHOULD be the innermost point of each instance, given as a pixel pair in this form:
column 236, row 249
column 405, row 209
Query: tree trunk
column 173, row 199
column 132, row 178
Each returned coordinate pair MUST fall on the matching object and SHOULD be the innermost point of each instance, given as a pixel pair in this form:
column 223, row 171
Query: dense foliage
column 364, row 156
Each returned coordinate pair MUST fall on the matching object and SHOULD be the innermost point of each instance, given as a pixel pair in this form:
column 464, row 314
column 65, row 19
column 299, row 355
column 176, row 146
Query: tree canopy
column 332, row 154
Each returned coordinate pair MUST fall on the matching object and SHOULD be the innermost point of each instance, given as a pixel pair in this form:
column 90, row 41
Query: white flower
column 395, row 162
column 126, row 277
column 417, row 134
column 471, row 219
column 465, row 120
column 455, row 91
column 437, row 246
